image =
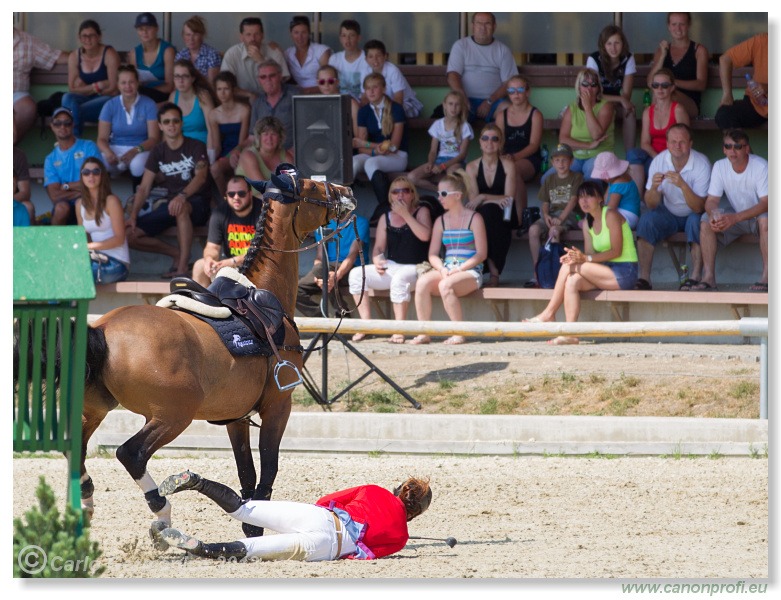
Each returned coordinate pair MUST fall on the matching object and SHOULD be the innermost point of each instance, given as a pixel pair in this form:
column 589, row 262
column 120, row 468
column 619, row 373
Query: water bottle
column 647, row 98
column 756, row 91
column 545, row 158
column 684, row 274
column 508, row 209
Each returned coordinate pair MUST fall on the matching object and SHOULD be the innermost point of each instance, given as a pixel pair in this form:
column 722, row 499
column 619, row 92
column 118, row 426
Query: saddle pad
column 237, row 337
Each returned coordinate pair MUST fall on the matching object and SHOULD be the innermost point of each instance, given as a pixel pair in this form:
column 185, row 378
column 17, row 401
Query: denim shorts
column 625, row 272
column 109, row 272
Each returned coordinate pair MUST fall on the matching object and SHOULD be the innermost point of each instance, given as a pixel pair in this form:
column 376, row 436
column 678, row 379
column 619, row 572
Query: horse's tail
column 97, row 353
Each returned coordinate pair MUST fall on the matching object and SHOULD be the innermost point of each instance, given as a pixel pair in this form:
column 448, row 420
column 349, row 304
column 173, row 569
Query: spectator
column 30, row 53
column 127, row 127
column 92, row 76
column 686, row 60
column 350, row 62
column 22, row 191
column 616, row 67
column 328, row 84
column 194, row 96
column 522, row 126
column 231, row 229
column 396, row 86
column 21, row 215
column 62, row 168
column 675, row 196
column 244, row 58
column 752, row 109
column 609, row 261
column 154, row 59
column 559, row 202
column 260, row 160
column 491, row 189
column 622, row 194
column 305, row 57
column 101, row 214
column 206, row 59
column 181, row 166
column 450, row 137
column 276, row 99
column 400, row 244
column 462, row 233
column 342, row 251
column 364, row 522
column 381, row 140
column 479, row 66
column 657, row 119
column 743, row 178
column 229, row 127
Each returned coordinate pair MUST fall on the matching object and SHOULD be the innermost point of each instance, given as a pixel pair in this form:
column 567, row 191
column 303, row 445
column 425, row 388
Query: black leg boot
column 220, row 494
column 179, row 539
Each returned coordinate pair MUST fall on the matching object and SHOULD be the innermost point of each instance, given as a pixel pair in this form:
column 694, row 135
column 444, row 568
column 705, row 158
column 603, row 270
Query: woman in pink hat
column 622, row 193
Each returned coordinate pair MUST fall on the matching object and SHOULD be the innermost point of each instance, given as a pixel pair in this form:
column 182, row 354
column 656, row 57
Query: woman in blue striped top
column 462, row 232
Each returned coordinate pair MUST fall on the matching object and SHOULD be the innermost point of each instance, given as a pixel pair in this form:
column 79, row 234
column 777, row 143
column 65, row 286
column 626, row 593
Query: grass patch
column 744, row 389
column 446, row 384
column 489, row 407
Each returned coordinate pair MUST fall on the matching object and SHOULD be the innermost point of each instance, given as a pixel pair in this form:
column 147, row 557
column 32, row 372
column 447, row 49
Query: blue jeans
column 84, row 108
column 109, row 272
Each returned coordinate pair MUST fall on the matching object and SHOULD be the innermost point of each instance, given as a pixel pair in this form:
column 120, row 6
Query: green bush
column 48, row 544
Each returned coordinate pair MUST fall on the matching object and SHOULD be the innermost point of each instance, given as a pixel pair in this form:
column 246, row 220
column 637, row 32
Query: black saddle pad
column 237, row 337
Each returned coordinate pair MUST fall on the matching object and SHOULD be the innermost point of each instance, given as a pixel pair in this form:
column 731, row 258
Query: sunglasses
column 664, row 85
column 735, row 146
column 329, row 81
column 445, row 193
column 96, row 171
column 401, row 191
column 592, row 84
column 516, row 90
column 489, row 138
column 239, row 193
column 67, row 123
column 269, row 76
column 171, row 121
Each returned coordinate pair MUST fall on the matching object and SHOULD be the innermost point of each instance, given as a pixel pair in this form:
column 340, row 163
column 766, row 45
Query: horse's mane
column 254, row 248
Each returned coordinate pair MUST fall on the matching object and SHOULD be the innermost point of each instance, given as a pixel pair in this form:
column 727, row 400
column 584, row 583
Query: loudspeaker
column 323, row 137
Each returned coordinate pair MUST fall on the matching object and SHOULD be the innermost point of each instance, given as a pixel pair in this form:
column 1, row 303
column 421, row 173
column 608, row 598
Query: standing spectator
column 397, row 87
column 229, row 128
column 687, row 60
column 275, row 99
column 328, row 84
column 193, row 95
column 351, row 61
column 154, row 59
column 244, row 58
column 479, row 66
column 305, row 57
column 181, row 166
column 260, row 160
column 675, row 196
column 752, row 109
column 92, row 76
column 616, row 67
column 205, row 58
column 30, row 53
column 231, row 229
column 22, row 192
column 742, row 177
column 62, row 168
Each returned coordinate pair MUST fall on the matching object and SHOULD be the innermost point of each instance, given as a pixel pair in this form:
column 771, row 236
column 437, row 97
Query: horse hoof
column 186, row 480
column 155, row 533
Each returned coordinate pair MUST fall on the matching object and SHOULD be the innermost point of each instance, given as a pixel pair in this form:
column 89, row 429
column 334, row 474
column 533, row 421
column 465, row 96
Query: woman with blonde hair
column 259, row 161
column 205, row 58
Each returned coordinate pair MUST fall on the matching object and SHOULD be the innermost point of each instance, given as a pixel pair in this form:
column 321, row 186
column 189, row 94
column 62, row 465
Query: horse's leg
column 238, row 433
column 274, row 421
column 97, row 404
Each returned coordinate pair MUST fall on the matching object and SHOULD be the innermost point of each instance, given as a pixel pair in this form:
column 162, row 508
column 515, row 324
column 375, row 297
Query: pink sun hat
column 607, row 165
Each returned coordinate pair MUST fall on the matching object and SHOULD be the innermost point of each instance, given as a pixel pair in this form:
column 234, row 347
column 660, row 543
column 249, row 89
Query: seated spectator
column 154, row 59
column 181, row 166
column 275, row 99
column 101, row 214
column 479, row 66
column 62, row 168
column 206, row 59
column 400, row 244
column 450, row 137
column 92, row 76
column 559, row 203
column 743, row 178
column 657, row 119
column 622, row 193
column 127, row 127
column 260, row 160
column 328, row 84
column 231, row 229
column 305, row 57
column 351, row 61
column 244, row 58
column 30, row 53
column 397, row 87
column 491, row 180
column 342, row 251
column 675, row 196
column 752, row 109
column 22, row 191
column 462, row 234
column 21, row 216
column 686, row 60
column 194, row 96
column 522, row 125
column 229, row 128
column 616, row 67
column 381, row 140
column 609, row 261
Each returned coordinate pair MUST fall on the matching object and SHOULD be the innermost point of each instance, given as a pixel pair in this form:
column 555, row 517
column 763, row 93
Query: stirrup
column 278, row 367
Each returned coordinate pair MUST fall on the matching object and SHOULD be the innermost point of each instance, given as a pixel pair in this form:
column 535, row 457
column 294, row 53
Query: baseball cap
column 562, row 150
column 61, row 110
column 146, row 19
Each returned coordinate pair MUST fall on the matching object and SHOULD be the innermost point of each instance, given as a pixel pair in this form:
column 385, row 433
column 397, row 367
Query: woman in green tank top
column 609, row 261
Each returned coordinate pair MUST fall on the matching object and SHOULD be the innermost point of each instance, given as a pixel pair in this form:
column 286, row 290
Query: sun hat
column 607, row 165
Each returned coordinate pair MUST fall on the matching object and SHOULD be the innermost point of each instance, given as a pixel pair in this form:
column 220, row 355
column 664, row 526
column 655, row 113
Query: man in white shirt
column 479, row 67
column 675, row 194
column 742, row 177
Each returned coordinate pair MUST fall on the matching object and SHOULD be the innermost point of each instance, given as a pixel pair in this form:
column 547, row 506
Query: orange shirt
column 753, row 52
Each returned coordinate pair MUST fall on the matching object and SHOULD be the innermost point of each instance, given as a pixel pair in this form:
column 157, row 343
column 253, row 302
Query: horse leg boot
column 220, row 494
column 220, row 550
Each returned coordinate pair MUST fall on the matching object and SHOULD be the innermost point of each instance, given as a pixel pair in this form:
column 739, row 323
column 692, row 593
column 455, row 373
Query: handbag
column 423, row 268
column 100, row 259
column 548, row 264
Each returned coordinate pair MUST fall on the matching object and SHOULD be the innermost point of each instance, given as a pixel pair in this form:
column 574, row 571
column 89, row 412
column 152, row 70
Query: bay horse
column 172, row 368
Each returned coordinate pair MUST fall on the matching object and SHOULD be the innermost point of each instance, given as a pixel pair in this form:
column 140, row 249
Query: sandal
column 643, row 284
column 703, row 286
column 359, row 337
column 396, row 338
column 420, row 339
column 759, row 286
column 531, row 284
column 454, row 340
column 688, row 285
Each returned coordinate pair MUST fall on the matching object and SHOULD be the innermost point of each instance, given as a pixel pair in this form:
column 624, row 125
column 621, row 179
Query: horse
column 172, row 368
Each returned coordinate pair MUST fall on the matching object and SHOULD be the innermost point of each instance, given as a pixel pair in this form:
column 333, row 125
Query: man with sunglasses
column 180, row 165
column 231, row 229
column 742, row 177
column 62, row 168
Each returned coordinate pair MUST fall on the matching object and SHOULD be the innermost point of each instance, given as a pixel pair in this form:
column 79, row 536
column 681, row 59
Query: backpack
column 548, row 265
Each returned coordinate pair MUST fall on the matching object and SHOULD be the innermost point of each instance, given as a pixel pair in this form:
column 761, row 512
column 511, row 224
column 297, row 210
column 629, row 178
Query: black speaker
column 323, row 137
